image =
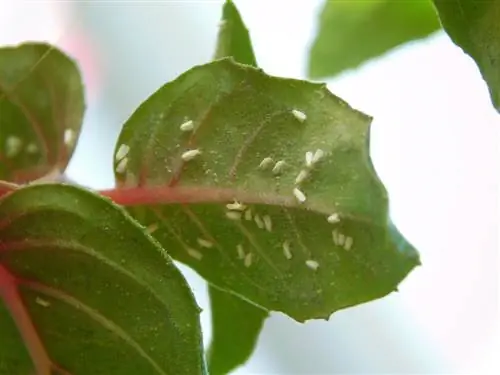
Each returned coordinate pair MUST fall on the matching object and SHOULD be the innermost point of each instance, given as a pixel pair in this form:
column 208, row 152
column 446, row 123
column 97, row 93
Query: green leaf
column 236, row 325
column 180, row 182
column 353, row 32
column 103, row 296
column 41, row 111
column 234, row 39
column 473, row 25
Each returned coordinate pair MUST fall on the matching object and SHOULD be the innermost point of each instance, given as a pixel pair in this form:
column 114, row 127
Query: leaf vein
column 95, row 315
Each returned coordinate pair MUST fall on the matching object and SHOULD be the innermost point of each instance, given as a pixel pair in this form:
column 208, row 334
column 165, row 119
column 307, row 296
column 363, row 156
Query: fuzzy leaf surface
column 241, row 116
column 84, row 290
column 41, row 111
column 236, row 323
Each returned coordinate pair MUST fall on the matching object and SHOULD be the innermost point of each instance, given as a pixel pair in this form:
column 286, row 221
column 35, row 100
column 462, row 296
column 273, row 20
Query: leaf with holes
column 236, row 325
column 473, row 25
column 41, row 111
column 82, row 285
column 264, row 186
column 353, row 32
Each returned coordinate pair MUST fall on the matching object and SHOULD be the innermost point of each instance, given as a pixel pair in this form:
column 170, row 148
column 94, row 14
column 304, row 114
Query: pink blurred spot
column 78, row 46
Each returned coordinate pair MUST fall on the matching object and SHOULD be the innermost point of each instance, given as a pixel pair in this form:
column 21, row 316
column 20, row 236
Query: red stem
column 9, row 293
column 164, row 195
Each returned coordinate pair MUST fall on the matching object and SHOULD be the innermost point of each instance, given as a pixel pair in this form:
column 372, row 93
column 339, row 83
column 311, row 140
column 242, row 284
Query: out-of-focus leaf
column 233, row 39
column 41, row 111
column 88, row 292
column 275, row 251
column 475, row 27
column 352, row 32
column 236, row 325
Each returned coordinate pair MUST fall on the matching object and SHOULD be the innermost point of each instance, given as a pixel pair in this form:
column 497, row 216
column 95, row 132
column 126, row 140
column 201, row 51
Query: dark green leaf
column 234, row 39
column 236, row 325
column 103, row 296
column 352, row 32
column 41, row 111
column 474, row 26
column 240, row 117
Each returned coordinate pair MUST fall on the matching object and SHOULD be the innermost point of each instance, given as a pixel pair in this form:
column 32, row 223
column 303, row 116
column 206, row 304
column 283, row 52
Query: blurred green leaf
column 474, row 26
column 353, row 32
column 103, row 296
column 236, row 325
column 234, row 39
column 41, row 111
column 196, row 145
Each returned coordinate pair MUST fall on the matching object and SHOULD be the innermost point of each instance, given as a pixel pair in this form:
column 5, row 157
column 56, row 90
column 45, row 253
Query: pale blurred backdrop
column 435, row 144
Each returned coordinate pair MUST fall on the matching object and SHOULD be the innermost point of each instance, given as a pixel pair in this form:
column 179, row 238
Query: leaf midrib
column 155, row 195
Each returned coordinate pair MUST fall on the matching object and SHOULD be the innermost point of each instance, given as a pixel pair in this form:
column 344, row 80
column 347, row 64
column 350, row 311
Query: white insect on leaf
column 122, row 152
column 205, row 243
column 309, row 159
column 247, row 262
column 279, row 166
column 233, row 215
column 121, row 167
column 190, row 154
column 258, row 221
column 335, row 236
column 152, row 228
column 69, row 137
column 348, row 243
column 13, row 146
column 299, row 195
column 32, row 148
column 187, row 126
column 341, row 239
column 287, row 252
column 299, row 115
column 266, row 163
column 312, row 264
column 333, row 218
column 42, row 302
column 248, row 214
column 268, row 223
column 194, row 253
column 240, row 251
column 301, row 177
column 236, row 206
column 318, row 155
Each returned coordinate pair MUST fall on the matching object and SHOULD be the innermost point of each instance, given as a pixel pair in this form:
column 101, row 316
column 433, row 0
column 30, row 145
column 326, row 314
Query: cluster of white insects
column 121, row 158
column 238, row 211
column 15, row 145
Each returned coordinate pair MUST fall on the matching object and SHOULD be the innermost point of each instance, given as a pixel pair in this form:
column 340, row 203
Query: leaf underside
column 41, row 111
column 353, row 32
column 234, row 39
column 88, row 292
column 241, row 116
column 236, row 325
column 473, row 25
